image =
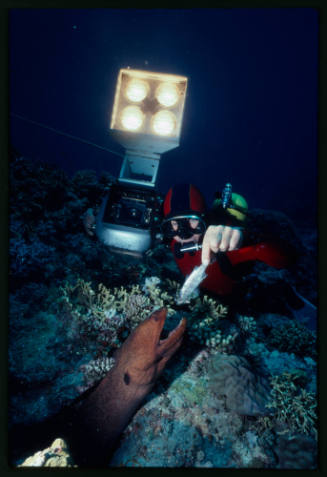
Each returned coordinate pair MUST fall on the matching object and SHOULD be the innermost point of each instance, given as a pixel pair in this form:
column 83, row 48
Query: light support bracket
column 139, row 168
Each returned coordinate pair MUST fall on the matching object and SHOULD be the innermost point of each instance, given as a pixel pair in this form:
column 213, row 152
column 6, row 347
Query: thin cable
column 65, row 134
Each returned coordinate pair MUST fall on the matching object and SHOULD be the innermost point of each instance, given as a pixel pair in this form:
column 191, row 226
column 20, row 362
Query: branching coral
column 204, row 325
column 86, row 184
column 96, row 370
column 247, row 325
column 157, row 296
column 113, row 313
column 110, row 315
column 294, row 406
column 46, row 209
column 294, row 338
column 209, row 307
column 26, row 257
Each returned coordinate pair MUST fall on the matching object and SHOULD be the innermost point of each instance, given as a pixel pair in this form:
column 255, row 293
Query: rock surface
column 188, row 425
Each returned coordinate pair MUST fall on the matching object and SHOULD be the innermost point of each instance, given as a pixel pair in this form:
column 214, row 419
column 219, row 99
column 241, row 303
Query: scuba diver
column 218, row 238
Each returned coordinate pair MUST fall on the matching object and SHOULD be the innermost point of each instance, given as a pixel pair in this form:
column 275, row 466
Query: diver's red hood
column 183, row 199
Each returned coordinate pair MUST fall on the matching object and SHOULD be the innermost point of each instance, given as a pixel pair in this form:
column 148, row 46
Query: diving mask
column 184, row 230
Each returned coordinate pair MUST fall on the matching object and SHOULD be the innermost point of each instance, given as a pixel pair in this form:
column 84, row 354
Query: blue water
column 251, row 108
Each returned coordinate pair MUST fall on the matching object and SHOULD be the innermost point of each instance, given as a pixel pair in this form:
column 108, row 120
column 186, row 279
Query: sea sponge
column 245, row 391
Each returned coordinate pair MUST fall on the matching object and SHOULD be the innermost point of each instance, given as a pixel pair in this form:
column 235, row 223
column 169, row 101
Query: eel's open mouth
column 174, row 335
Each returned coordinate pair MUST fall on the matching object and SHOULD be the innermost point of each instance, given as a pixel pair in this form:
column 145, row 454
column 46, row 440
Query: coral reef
column 208, row 323
column 72, row 303
column 191, row 412
column 293, row 337
column 296, row 452
column 295, row 408
column 110, row 314
column 94, row 371
column 247, row 325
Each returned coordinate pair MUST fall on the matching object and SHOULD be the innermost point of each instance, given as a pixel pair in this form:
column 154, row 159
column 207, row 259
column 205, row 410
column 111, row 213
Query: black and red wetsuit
column 222, row 275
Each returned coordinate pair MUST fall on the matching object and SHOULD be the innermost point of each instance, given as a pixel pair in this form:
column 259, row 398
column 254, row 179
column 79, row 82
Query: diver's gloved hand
column 89, row 222
column 220, row 238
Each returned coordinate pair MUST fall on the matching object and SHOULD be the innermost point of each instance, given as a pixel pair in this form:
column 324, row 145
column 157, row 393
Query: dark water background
column 251, row 108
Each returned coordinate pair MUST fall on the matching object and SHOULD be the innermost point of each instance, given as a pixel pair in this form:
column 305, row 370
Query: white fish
column 191, row 284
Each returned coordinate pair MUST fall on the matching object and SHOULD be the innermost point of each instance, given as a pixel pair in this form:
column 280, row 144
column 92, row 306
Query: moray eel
column 105, row 413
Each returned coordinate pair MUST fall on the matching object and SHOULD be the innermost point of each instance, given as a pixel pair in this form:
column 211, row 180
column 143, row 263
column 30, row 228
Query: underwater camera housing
column 127, row 218
column 146, row 120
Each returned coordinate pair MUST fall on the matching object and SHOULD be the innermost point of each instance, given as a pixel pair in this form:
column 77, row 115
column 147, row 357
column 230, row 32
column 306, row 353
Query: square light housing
column 148, row 110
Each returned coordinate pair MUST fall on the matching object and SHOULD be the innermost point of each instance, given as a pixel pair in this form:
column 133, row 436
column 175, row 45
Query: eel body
column 105, row 413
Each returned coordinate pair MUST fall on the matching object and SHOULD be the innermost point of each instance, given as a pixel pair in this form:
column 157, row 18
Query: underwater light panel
column 167, row 94
column 132, row 118
column 136, row 90
column 149, row 103
column 163, row 123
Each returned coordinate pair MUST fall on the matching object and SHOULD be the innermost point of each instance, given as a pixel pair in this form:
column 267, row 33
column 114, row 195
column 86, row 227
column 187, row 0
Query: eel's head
column 144, row 355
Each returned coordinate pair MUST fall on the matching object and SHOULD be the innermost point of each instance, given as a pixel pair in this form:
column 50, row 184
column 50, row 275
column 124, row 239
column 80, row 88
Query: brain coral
column 246, row 393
